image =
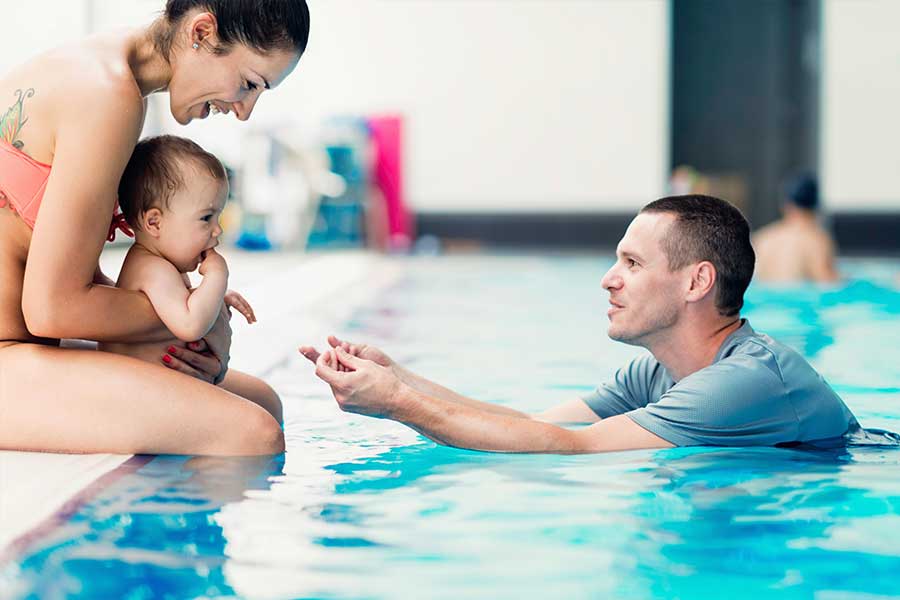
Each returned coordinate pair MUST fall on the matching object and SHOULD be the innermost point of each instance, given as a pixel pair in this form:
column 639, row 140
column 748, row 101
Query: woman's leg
column 66, row 400
column 253, row 389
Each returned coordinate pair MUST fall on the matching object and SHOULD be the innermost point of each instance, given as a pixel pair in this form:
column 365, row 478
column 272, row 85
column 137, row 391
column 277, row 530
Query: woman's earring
column 195, row 46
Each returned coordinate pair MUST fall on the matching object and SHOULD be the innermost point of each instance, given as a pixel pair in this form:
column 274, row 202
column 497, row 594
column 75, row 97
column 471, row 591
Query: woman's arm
column 97, row 129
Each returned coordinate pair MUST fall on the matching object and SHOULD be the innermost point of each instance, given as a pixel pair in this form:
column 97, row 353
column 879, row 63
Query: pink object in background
column 387, row 137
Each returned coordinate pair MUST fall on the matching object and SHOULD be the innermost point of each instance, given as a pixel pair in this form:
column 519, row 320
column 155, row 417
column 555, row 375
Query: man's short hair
column 707, row 228
column 803, row 191
column 155, row 171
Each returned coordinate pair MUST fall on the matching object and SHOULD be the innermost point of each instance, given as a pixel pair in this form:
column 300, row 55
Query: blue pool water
column 361, row 508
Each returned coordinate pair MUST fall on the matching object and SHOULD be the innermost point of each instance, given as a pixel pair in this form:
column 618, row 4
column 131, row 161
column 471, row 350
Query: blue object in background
column 253, row 233
column 339, row 221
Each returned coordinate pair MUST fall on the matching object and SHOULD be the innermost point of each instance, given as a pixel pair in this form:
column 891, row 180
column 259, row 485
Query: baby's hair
column 156, row 170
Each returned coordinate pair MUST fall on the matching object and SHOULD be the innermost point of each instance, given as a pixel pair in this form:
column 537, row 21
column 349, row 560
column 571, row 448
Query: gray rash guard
column 756, row 392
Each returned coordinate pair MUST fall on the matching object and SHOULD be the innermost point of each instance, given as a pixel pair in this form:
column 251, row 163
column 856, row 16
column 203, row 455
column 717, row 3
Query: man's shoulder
column 752, row 365
column 756, row 356
column 750, row 348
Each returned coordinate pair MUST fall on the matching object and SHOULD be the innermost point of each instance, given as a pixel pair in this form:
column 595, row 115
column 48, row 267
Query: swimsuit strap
column 118, row 223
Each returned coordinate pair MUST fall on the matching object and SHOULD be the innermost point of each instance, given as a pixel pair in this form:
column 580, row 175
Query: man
column 797, row 247
column 676, row 289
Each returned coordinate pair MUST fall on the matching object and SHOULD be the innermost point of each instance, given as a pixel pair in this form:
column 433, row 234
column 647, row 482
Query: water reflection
column 153, row 530
column 768, row 518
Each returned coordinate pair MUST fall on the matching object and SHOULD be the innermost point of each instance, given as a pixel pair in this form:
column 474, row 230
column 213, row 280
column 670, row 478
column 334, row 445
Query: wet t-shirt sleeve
column 738, row 401
column 628, row 390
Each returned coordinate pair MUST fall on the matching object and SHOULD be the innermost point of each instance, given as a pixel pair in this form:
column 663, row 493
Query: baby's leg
column 255, row 390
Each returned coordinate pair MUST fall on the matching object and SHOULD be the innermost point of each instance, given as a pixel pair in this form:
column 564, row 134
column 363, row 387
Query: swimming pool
column 362, row 508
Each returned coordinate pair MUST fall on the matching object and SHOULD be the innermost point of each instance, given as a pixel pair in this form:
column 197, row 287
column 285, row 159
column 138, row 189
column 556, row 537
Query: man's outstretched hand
column 359, row 385
column 363, row 351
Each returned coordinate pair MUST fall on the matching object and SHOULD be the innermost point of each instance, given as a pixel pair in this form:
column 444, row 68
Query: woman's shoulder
column 77, row 83
column 93, row 75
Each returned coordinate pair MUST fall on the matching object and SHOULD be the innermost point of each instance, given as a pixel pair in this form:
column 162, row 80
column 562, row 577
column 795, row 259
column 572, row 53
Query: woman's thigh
column 79, row 401
column 253, row 389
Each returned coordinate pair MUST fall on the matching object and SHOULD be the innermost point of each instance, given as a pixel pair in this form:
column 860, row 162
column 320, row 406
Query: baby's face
column 190, row 224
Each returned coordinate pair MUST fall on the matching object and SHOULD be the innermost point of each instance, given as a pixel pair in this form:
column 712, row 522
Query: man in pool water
column 676, row 289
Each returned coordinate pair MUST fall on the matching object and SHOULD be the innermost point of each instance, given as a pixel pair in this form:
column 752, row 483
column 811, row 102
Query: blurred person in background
column 70, row 121
column 796, row 248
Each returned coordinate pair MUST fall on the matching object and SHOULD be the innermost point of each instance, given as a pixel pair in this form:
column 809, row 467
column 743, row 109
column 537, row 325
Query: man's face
column 645, row 297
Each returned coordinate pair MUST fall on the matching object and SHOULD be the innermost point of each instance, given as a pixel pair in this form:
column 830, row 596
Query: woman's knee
column 259, row 434
column 268, row 398
column 272, row 403
column 255, row 390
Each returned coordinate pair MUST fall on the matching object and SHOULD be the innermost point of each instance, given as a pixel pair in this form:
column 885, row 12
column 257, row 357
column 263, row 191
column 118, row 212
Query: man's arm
column 434, row 390
column 467, row 427
column 574, row 411
column 371, row 389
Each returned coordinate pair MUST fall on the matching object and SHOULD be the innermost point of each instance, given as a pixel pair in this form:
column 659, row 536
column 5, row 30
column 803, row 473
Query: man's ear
column 703, row 280
column 151, row 222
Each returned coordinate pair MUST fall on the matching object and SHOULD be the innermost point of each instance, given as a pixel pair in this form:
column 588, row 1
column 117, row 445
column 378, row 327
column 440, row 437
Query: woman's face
column 204, row 82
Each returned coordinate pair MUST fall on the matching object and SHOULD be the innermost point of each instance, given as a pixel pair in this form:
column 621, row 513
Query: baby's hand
column 212, row 262
column 239, row 303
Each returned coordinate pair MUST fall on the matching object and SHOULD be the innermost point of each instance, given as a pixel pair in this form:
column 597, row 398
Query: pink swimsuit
column 22, row 184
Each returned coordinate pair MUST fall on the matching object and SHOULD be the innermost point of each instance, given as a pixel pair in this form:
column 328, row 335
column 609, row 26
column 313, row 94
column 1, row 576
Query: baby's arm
column 240, row 304
column 188, row 314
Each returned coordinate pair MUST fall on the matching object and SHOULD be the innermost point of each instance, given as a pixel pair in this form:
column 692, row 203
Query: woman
column 80, row 109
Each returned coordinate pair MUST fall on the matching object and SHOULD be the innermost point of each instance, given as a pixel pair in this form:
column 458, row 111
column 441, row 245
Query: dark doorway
column 745, row 95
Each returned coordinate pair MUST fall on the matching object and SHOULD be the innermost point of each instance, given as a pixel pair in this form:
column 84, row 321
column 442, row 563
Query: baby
column 171, row 194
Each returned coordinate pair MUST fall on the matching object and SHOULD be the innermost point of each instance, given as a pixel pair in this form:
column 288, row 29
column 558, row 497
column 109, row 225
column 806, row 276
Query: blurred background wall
column 860, row 161
column 552, row 121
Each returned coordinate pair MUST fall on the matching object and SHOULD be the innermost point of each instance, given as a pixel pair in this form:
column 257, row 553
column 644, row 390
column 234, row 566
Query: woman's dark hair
column 156, row 170
column 259, row 24
column 707, row 228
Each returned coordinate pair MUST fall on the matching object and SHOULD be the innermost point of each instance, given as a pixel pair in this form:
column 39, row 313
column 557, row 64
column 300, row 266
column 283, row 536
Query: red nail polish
column 167, row 359
column 171, row 350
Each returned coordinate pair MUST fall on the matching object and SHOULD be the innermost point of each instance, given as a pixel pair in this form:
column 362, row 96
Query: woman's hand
column 205, row 359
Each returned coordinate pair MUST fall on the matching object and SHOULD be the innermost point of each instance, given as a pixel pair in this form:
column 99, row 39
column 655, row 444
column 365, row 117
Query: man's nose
column 611, row 279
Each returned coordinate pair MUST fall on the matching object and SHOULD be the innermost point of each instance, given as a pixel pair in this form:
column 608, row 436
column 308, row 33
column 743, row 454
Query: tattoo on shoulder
column 14, row 119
